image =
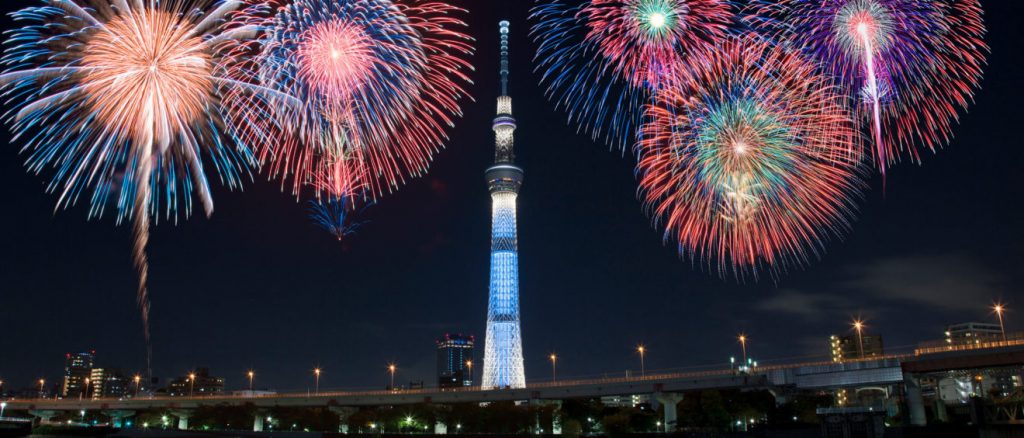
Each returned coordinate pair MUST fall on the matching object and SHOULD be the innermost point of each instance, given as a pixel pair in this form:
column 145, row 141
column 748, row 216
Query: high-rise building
column 454, row 356
column 973, row 333
column 197, row 384
column 503, row 347
column 77, row 368
column 855, row 347
column 108, row 383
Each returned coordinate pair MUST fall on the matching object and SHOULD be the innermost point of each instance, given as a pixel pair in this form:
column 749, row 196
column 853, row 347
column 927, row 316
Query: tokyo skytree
column 503, row 348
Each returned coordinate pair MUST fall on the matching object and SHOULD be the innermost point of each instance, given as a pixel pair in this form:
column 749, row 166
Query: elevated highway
column 666, row 388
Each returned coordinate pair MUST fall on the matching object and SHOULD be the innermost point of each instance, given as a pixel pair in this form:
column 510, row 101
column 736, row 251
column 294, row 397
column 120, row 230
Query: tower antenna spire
column 504, row 29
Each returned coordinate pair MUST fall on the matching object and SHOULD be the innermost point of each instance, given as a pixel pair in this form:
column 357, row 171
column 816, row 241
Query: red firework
column 378, row 83
column 749, row 163
column 648, row 41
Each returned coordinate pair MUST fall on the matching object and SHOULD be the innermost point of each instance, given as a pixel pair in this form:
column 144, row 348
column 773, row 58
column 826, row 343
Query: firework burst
column 600, row 60
column 379, row 82
column 909, row 66
column 748, row 164
column 336, row 216
column 121, row 100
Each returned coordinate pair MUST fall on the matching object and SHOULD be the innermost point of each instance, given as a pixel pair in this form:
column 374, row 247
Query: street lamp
column 138, row 381
column 42, row 383
column 191, row 384
column 3, row 405
column 743, row 344
column 469, row 367
column 85, row 389
column 252, row 375
column 316, row 380
column 859, row 326
column 391, row 369
column 999, row 308
column 554, row 367
column 642, row 350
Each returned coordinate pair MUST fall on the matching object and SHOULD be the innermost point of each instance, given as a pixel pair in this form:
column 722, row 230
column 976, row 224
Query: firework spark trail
column 602, row 60
column 910, row 66
column 379, row 83
column 873, row 94
column 747, row 164
column 122, row 101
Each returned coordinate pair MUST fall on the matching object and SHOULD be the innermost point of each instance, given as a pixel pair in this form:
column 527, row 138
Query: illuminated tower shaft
column 503, row 349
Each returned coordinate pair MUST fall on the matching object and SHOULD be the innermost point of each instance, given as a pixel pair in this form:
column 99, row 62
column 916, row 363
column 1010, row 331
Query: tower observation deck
column 503, row 347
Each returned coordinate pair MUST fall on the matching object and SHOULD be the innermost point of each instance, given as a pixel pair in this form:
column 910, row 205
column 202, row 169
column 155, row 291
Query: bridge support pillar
column 343, row 413
column 547, row 416
column 440, row 428
column 183, row 416
column 915, row 402
column 669, row 402
column 117, row 418
column 941, row 414
column 257, row 422
column 556, row 419
column 44, row 416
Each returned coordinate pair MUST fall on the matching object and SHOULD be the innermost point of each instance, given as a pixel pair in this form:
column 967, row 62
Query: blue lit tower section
column 503, row 349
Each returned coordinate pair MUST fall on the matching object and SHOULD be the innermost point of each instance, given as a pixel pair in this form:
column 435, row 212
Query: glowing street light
column 554, row 367
column 642, row 350
column 252, row 375
column 743, row 344
column 999, row 309
column 391, row 370
column 191, row 384
column 858, row 325
column 42, row 384
column 3, row 405
column 85, row 389
column 469, row 367
column 138, row 380
column 316, row 380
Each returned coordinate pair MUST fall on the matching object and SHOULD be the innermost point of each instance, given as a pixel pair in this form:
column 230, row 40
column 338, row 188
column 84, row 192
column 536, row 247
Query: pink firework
column 379, row 83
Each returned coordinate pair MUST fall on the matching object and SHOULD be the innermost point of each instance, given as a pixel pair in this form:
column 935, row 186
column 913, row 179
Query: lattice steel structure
column 503, row 348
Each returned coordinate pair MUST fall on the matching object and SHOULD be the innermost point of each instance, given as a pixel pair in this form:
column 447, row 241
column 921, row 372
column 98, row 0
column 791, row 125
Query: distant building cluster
column 197, row 384
column 953, row 388
column 84, row 379
column 855, row 347
column 973, row 333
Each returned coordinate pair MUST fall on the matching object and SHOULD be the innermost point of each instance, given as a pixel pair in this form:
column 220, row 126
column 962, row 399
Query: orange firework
column 122, row 100
column 149, row 84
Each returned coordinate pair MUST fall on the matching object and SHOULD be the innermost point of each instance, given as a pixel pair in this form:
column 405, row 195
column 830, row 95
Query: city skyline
column 869, row 348
column 940, row 241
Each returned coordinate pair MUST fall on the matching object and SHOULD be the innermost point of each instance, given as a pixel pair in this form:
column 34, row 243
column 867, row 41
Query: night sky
column 259, row 286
